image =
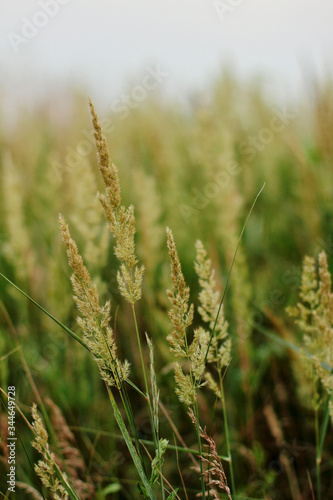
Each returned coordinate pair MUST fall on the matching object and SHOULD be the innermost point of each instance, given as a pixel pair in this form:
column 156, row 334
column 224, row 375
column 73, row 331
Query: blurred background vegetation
column 189, row 167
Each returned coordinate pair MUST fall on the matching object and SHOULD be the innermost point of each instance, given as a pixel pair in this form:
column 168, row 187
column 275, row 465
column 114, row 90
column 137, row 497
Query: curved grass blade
column 230, row 270
column 147, row 442
column 324, row 427
column 64, row 327
column 130, row 446
column 290, row 345
column 136, row 388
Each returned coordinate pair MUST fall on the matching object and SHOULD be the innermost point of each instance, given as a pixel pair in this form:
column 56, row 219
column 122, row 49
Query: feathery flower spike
column 214, row 475
column 121, row 220
column 46, row 468
column 220, row 348
column 181, row 316
column 95, row 320
column 314, row 315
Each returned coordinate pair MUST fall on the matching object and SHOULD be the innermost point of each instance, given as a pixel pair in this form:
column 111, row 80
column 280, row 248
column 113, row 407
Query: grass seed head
column 95, row 320
column 121, row 220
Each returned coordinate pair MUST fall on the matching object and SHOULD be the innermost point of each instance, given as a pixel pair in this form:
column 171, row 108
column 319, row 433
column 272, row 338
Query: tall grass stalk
column 320, row 438
column 203, row 486
column 318, row 460
column 324, row 427
column 230, row 270
column 140, row 351
column 227, row 439
column 131, row 449
column 225, row 417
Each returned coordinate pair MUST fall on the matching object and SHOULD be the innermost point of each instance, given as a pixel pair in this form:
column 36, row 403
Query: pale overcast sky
column 101, row 44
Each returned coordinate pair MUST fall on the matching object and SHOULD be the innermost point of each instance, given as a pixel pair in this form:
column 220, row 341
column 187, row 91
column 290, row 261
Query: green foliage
column 196, row 171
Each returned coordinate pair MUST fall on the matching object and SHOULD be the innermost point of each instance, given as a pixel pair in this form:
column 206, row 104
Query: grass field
column 258, row 382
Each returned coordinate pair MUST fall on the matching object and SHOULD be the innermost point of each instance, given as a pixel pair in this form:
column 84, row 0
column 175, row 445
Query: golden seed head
column 209, row 298
column 314, row 315
column 185, row 389
column 46, row 468
column 181, row 313
column 177, row 276
column 108, row 170
column 121, row 220
column 214, row 475
column 41, row 436
column 95, row 320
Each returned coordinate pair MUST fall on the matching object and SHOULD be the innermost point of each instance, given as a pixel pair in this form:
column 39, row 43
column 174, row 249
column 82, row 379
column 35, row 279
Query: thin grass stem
column 324, row 426
column 231, row 266
column 140, row 350
column 196, row 414
column 227, row 439
column 151, row 417
column 131, row 448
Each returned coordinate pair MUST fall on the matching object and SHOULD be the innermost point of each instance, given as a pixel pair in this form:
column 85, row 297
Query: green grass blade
column 217, row 317
column 144, row 441
column 64, row 327
column 324, row 426
column 289, row 345
column 136, row 388
column 130, row 446
column 231, row 267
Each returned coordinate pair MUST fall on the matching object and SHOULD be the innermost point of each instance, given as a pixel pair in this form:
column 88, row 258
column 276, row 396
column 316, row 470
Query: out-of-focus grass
column 196, row 172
